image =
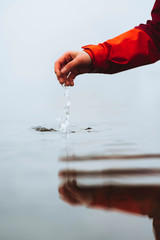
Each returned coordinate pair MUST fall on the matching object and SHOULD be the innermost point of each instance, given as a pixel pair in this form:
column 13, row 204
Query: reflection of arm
column 156, row 225
column 137, row 47
column 143, row 200
column 139, row 200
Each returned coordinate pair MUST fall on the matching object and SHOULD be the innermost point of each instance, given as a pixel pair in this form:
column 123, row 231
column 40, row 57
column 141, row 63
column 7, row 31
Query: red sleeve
column 129, row 50
column 152, row 27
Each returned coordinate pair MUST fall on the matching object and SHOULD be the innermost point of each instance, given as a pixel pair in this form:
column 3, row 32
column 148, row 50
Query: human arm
column 131, row 49
column 136, row 47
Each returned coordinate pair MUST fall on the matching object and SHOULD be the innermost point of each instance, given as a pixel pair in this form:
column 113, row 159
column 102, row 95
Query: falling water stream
column 65, row 121
column 63, row 127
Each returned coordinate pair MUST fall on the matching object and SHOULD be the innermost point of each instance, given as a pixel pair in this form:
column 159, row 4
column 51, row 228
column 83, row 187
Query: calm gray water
column 110, row 166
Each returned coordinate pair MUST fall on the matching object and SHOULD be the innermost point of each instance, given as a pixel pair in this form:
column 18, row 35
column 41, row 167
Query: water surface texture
column 98, row 180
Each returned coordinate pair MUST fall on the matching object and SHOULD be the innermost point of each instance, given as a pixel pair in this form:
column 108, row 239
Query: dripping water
column 65, row 121
column 63, row 127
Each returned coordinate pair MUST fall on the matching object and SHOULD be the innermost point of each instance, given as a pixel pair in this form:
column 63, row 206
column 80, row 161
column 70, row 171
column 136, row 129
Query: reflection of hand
column 70, row 65
column 74, row 195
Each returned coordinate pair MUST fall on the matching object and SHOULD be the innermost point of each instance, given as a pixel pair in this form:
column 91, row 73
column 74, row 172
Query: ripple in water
column 63, row 127
column 44, row 129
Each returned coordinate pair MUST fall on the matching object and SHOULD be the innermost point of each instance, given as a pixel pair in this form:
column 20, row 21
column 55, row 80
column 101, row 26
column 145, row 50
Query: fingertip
column 56, row 67
column 71, row 83
column 61, row 189
column 67, row 83
column 58, row 73
column 61, row 81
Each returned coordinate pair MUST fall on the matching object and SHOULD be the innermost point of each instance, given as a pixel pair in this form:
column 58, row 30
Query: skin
column 72, row 64
column 75, row 195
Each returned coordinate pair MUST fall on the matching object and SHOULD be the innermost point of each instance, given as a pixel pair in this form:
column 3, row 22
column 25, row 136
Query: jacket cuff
column 98, row 54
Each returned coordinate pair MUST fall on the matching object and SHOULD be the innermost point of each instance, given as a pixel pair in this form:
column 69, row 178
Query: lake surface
column 101, row 180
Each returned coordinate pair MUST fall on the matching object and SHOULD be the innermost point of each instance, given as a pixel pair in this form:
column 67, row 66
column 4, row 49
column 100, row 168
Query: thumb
column 69, row 66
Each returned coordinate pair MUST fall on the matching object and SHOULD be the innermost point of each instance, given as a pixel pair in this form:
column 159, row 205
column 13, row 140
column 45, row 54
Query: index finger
column 57, row 68
column 61, row 62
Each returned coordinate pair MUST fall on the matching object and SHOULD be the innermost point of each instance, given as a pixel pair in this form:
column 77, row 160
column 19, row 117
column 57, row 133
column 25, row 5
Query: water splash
column 65, row 121
column 44, row 129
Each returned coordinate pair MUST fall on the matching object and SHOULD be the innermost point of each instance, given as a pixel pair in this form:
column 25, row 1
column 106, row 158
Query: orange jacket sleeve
column 128, row 50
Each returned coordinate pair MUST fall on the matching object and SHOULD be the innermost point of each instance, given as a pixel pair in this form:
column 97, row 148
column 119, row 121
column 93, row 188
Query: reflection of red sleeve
column 137, row 47
column 142, row 200
column 156, row 225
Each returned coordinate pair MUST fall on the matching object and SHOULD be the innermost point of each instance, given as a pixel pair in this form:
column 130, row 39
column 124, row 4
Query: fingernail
column 61, row 80
column 63, row 70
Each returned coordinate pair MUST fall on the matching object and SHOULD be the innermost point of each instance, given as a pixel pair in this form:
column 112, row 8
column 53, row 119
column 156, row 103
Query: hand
column 70, row 65
column 75, row 195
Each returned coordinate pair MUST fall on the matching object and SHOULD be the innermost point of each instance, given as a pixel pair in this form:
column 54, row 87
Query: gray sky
column 34, row 33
